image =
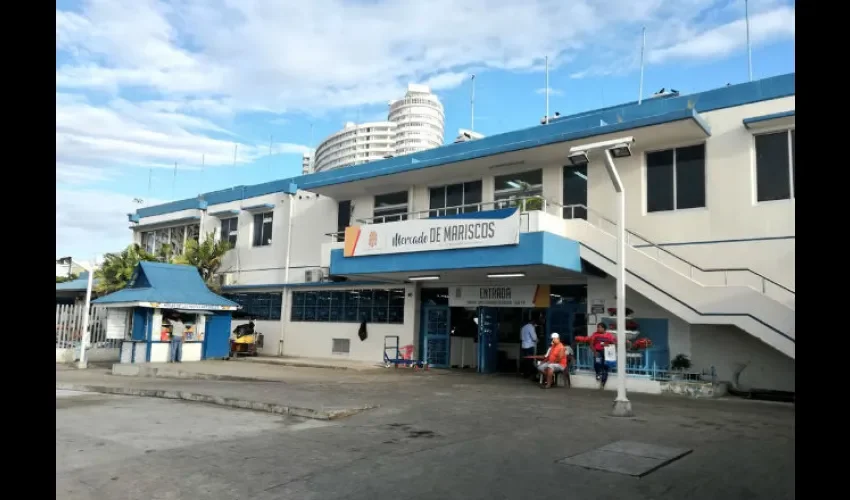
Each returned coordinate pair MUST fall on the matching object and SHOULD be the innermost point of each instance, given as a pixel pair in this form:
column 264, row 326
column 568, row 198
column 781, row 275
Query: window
column 263, row 229
column 229, row 229
column 518, row 186
column 455, row 195
column 575, row 192
column 675, row 179
column 349, row 306
column 152, row 241
column 343, row 218
column 257, row 306
column 776, row 166
column 390, row 207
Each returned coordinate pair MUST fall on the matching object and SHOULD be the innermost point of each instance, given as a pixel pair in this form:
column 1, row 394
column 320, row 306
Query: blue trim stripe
column 580, row 126
column 699, row 313
column 321, row 284
column 748, row 122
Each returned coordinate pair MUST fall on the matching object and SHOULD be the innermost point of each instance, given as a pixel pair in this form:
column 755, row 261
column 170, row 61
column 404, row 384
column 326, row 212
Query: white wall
column 722, row 346
column 679, row 331
column 728, row 348
column 731, row 213
column 314, row 339
column 314, row 217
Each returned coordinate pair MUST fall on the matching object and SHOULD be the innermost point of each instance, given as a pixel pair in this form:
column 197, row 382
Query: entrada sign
column 422, row 235
column 500, row 296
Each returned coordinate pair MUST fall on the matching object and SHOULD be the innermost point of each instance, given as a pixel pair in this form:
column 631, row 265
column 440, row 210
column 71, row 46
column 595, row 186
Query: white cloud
column 552, row 92
column 723, row 40
column 84, row 216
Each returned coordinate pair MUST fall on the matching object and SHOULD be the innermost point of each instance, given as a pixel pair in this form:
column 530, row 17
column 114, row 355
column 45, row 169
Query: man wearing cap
column 554, row 361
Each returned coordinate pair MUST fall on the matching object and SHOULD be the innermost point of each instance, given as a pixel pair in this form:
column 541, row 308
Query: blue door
column 565, row 319
column 217, row 336
column 436, row 325
column 488, row 340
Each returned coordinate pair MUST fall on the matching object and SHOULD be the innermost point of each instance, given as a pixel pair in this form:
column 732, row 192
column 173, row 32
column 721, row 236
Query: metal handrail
column 521, row 202
column 691, row 265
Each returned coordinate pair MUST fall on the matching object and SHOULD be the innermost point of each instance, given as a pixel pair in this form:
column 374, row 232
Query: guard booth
column 139, row 315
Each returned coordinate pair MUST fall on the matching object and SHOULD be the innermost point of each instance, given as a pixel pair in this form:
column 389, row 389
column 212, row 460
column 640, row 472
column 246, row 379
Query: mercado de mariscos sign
column 423, row 235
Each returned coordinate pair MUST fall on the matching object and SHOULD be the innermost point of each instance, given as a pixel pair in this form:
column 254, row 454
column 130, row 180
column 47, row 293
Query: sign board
column 499, row 296
column 192, row 307
column 116, row 323
column 422, row 235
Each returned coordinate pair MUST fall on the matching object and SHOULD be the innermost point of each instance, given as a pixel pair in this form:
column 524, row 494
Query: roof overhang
column 164, row 224
column 186, row 308
column 225, row 214
column 527, row 151
column 771, row 121
column 263, row 207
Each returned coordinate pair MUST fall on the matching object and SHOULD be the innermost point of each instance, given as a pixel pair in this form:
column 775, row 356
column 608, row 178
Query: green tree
column 118, row 268
column 206, row 257
column 63, row 279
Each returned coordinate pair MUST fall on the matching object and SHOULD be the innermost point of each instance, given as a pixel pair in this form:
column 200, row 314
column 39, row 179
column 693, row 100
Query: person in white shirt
column 528, row 347
column 177, row 331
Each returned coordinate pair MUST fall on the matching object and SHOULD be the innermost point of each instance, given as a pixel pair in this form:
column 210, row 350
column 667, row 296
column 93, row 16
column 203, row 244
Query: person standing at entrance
column 598, row 341
column 177, row 330
column 555, row 361
column 528, row 347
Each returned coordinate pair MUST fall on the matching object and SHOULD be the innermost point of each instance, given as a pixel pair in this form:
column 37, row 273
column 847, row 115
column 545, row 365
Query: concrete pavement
column 440, row 436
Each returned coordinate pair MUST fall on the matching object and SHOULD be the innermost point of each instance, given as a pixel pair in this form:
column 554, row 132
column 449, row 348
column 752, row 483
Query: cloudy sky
column 243, row 87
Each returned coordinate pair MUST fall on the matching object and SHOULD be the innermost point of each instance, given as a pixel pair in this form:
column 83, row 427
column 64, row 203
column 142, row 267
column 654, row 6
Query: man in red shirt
column 598, row 341
column 554, row 361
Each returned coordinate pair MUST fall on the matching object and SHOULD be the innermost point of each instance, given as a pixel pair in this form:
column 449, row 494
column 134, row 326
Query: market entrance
column 478, row 327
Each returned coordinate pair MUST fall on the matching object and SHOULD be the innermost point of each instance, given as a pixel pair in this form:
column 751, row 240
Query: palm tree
column 206, row 256
column 117, row 268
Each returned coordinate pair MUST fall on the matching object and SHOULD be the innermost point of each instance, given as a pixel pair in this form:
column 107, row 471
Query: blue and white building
column 442, row 246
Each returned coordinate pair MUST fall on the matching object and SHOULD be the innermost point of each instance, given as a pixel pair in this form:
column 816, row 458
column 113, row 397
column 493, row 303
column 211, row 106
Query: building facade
column 450, row 249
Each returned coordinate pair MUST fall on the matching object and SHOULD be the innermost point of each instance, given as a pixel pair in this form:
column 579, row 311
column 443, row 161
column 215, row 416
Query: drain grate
column 627, row 457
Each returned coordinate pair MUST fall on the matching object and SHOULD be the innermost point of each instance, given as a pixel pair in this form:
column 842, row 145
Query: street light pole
column 620, row 148
column 86, row 336
column 622, row 405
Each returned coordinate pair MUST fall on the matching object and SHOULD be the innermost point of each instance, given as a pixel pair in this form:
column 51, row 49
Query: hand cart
column 400, row 355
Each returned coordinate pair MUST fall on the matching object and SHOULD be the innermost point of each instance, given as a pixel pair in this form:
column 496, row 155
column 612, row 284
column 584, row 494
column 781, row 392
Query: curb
column 297, row 364
column 218, row 400
column 181, row 375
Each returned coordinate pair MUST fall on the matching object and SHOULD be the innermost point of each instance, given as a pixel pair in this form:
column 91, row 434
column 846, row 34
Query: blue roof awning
column 783, row 119
column 168, row 286
column 169, row 223
column 78, row 285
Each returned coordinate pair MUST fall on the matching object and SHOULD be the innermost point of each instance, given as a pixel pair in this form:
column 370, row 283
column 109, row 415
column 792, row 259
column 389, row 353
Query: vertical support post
column 83, row 363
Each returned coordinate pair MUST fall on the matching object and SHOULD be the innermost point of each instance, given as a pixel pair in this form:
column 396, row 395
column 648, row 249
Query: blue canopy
column 169, row 286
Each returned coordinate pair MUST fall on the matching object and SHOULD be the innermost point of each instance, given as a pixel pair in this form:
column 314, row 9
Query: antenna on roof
column 642, row 49
column 271, row 139
column 472, row 105
column 150, row 185
column 547, row 90
column 174, row 182
column 749, row 48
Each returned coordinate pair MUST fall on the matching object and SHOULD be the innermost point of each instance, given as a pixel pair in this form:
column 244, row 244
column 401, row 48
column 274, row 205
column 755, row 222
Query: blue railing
column 652, row 363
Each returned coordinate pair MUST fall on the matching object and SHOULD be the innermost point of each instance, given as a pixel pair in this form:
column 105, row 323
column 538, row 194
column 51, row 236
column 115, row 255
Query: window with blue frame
column 349, row 306
column 264, row 306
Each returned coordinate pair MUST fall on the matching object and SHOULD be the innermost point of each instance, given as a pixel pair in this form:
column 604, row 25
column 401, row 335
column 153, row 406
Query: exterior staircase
column 741, row 297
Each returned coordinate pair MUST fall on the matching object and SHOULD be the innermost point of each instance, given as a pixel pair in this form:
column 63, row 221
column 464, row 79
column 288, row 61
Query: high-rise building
column 307, row 163
column 415, row 123
column 420, row 119
column 355, row 144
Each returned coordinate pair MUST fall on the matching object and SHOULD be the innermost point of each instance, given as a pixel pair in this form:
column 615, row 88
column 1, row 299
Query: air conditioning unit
column 314, row 275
